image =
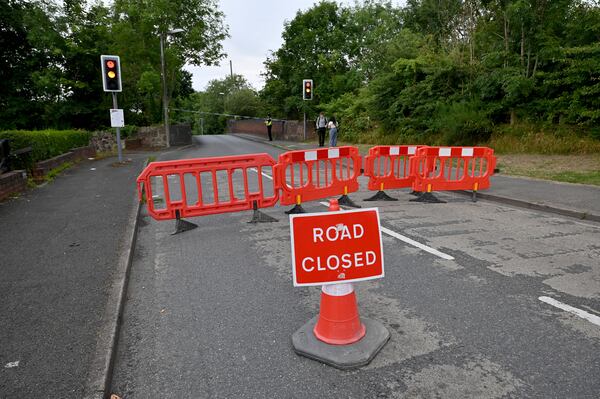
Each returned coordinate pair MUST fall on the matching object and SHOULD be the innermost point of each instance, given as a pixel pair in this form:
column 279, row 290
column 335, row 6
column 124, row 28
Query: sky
column 255, row 29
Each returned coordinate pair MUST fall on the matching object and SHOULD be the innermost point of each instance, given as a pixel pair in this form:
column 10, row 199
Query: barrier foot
column 260, row 217
column 346, row 201
column 343, row 357
column 182, row 225
column 474, row 196
column 428, row 198
column 296, row 209
column 415, row 193
column 381, row 196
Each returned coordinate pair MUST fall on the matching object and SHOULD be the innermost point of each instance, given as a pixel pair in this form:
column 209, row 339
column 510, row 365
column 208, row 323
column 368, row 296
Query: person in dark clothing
column 321, row 125
column 269, row 124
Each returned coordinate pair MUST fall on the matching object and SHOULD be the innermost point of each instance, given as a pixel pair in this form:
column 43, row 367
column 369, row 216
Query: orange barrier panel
column 452, row 168
column 308, row 175
column 389, row 166
column 206, row 186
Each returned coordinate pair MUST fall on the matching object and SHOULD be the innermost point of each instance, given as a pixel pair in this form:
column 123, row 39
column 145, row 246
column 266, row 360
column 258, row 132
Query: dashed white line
column 262, row 173
column 410, row 241
column 567, row 308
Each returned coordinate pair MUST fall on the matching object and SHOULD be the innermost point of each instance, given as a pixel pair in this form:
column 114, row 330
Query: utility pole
column 165, row 96
column 231, row 69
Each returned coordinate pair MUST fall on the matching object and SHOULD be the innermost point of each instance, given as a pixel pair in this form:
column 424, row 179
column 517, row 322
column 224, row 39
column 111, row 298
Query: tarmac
column 66, row 250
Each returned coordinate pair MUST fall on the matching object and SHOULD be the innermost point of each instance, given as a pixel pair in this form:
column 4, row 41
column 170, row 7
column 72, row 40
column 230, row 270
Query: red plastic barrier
column 309, row 175
column 192, row 186
column 389, row 166
column 452, row 168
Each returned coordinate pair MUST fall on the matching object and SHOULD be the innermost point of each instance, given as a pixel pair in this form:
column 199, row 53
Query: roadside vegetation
column 520, row 76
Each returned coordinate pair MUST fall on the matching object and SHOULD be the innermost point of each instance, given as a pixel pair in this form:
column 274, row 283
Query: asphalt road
column 210, row 313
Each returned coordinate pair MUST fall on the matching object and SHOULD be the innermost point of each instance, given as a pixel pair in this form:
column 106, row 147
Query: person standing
column 321, row 124
column 269, row 124
column 333, row 132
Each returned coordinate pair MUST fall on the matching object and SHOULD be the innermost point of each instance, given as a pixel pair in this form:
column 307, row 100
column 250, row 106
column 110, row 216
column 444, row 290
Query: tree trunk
column 523, row 45
column 513, row 116
column 505, row 40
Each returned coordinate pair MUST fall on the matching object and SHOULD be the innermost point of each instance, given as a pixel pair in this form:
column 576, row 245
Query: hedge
column 46, row 144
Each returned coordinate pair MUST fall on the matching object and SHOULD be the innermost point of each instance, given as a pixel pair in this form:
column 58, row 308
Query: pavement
column 61, row 247
column 66, row 248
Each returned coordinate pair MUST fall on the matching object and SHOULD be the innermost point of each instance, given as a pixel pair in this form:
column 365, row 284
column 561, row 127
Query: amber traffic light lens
column 111, row 74
column 110, row 64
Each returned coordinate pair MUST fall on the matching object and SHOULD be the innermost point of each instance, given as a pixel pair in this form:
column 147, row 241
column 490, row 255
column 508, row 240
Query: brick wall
column 281, row 130
column 12, row 182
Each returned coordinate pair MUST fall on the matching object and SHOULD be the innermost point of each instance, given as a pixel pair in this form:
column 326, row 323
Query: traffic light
column 111, row 72
column 307, row 89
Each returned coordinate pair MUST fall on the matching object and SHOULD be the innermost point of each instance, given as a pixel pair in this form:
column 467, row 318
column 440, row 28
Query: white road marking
column 567, row 308
column 12, row 364
column 410, row 241
column 262, row 173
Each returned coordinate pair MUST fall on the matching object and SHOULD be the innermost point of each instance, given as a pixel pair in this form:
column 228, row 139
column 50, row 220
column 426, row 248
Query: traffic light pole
column 115, row 106
column 304, row 126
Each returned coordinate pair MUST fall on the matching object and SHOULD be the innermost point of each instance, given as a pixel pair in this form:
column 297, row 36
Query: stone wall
column 281, row 130
column 104, row 141
column 12, row 182
column 154, row 136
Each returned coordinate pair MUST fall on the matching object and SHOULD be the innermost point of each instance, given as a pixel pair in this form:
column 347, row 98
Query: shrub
column 46, row 144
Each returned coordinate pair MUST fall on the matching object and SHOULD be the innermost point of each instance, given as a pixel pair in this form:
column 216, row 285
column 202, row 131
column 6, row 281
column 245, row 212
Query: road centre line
column 410, row 241
column 262, row 173
column 567, row 308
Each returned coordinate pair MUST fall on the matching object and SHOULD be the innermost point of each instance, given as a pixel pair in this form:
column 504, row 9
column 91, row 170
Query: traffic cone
column 339, row 322
column 337, row 336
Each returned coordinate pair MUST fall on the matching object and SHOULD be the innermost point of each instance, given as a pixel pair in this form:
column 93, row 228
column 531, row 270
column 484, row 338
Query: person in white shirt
column 333, row 132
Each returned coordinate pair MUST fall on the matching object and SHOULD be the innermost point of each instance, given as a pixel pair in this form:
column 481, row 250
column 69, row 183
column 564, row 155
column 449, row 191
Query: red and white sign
column 336, row 247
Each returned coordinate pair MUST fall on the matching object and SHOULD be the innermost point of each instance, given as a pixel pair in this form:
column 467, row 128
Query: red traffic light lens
column 110, row 64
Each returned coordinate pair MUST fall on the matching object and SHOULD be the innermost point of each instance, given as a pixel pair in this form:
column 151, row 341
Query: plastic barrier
column 206, row 186
column 389, row 166
column 452, row 168
column 309, row 175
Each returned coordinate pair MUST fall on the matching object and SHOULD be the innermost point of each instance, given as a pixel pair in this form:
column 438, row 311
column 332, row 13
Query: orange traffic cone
column 339, row 322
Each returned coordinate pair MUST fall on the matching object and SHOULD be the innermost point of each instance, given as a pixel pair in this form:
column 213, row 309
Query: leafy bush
column 462, row 123
column 46, row 144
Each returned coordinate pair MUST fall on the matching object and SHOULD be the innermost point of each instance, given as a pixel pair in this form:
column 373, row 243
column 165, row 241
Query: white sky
column 255, row 28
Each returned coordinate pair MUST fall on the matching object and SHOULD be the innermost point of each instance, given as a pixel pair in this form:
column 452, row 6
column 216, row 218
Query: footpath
column 64, row 249
column 575, row 200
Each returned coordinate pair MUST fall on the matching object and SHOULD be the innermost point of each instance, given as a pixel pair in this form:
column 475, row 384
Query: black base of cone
column 296, row 209
column 261, row 217
column 183, row 225
column 343, row 357
column 346, row 201
column 381, row 196
column 428, row 198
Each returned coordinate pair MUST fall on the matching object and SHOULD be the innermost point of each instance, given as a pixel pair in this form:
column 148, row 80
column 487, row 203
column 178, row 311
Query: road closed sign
column 336, row 247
